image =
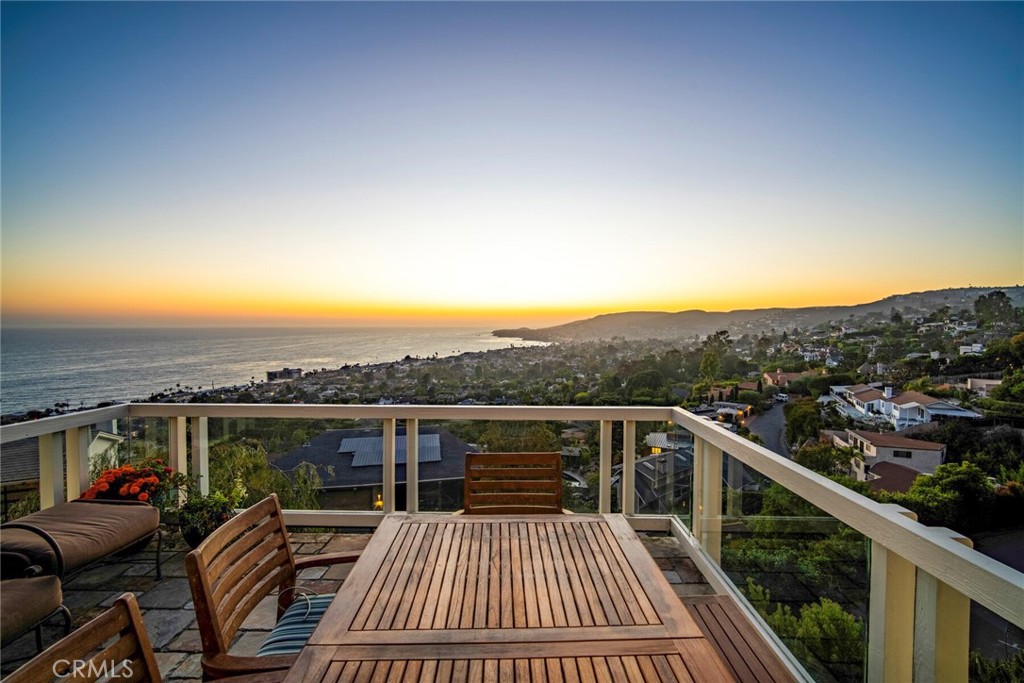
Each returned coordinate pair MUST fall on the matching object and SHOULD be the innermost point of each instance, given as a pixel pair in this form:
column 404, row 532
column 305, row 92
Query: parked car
column 782, row 398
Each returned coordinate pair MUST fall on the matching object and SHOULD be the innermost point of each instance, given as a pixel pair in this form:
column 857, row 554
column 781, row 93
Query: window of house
column 902, row 454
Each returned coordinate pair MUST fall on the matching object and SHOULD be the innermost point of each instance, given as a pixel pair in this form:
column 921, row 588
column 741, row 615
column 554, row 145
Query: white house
column 982, row 386
column 923, row 456
column 902, row 410
column 911, row 408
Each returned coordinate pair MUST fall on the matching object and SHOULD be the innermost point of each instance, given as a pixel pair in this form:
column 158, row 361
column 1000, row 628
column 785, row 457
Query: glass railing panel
column 996, row 645
column 146, row 439
column 805, row 573
column 442, row 446
column 578, row 442
column 19, row 495
column 663, row 470
column 309, row 464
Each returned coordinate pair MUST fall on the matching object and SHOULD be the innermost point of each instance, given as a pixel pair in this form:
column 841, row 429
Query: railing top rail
column 58, row 423
column 987, row 581
column 402, row 411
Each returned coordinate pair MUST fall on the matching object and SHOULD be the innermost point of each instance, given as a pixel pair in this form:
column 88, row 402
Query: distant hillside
column 683, row 324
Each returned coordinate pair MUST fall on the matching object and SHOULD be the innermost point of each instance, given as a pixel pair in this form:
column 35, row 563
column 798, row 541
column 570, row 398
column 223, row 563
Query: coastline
column 231, row 392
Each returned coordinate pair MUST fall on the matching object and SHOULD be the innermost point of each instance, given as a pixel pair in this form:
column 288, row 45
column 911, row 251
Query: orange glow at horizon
column 47, row 301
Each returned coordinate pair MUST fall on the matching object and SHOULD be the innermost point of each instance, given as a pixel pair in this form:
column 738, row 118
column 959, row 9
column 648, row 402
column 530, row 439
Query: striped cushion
column 296, row 625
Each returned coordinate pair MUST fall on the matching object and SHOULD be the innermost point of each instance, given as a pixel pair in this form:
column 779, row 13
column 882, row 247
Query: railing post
column 389, row 464
column 942, row 623
column 628, row 467
column 201, row 453
column 412, row 465
column 51, row 471
column 604, row 498
column 891, row 612
column 707, row 483
column 77, row 449
column 177, row 448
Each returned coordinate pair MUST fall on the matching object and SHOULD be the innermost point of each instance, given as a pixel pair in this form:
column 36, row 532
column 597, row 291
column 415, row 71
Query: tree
column 825, row 458
column 803, row 420
column 754, row 398
column 1011, row 389
column 235, row 459
column 994, row 307
column 516, row 436
column 958, row 496
column 710, row 365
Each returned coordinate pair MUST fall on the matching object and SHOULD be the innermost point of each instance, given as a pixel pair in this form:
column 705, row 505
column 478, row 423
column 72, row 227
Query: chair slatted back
column 238, row 565
column 114, row 646
column 513, row 483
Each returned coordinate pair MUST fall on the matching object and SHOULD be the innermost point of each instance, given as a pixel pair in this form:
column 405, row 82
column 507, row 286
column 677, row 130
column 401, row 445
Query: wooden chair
column 114, row 646
column 513, row 483
column 86, row 652
column 235, row 568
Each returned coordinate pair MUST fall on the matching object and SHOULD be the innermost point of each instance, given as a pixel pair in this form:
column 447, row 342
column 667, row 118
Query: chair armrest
column 58, row 554
column 307, row 561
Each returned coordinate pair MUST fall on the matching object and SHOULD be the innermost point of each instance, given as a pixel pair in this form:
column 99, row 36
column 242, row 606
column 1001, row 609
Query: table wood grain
column 489, row 598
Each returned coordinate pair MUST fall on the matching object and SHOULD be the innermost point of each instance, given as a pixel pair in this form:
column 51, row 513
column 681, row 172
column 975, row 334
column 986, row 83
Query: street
column 771, row 426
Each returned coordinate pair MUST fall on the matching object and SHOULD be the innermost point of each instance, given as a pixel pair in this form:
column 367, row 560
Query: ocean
column 40, row 367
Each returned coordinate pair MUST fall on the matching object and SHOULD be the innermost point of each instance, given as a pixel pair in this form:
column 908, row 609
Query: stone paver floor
column 167, row 604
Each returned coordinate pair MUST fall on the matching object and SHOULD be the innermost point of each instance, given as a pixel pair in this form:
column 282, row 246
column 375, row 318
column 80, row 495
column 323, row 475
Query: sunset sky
column 492, row 163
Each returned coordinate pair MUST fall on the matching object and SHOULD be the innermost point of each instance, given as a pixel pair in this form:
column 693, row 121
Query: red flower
column 143, row 497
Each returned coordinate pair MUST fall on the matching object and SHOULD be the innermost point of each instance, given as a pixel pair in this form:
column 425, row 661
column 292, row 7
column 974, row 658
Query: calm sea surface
column 39, row 367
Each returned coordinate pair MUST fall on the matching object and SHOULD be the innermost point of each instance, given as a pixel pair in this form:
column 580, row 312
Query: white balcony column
column 604, row 498
column 891, row 613
column 389, row 464
column 201, row 453
column 628, row 478
column 412, row 465
column 76, row 445
column 177, row 447
column 51, row 471
column 710, row 485
column 942, row 622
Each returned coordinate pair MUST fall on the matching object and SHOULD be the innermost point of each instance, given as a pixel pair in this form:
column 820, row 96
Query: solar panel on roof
column 368, row 451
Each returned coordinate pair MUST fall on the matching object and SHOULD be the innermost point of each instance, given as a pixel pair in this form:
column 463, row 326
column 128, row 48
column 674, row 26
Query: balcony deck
column 170, row 620
column 916, row 586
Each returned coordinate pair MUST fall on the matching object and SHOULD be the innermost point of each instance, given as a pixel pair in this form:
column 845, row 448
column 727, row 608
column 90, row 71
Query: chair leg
column 39, row 638
column 66, row 613
column 159, row 546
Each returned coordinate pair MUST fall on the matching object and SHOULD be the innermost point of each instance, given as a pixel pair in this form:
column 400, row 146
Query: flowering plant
column 147, row 482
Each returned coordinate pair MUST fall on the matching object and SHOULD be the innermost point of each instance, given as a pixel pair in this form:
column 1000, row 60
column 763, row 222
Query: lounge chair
column 65, row 538
column 239, row 564
column 26, row 604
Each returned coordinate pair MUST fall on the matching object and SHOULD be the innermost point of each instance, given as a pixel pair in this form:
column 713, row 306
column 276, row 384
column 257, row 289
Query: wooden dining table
column 500, row 598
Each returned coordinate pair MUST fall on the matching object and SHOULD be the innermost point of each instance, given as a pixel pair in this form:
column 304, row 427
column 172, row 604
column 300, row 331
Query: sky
column 501, row 163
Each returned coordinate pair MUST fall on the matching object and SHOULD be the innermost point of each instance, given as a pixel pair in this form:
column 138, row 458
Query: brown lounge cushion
column 85, row 531
column 26, row 602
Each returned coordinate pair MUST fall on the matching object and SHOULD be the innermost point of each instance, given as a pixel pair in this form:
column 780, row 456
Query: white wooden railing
column 922, row 579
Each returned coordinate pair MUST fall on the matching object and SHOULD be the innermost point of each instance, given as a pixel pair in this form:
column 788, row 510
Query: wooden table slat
column 506, row 568
column 629, row 580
